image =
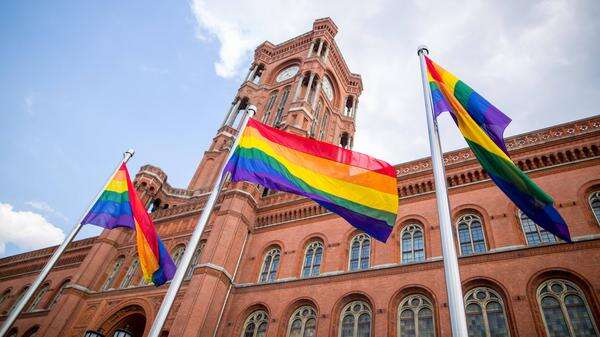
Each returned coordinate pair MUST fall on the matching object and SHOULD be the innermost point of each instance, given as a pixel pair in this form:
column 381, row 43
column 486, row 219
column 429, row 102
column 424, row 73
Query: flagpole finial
column 128, row 154
column 251, row 108
column 422, row 49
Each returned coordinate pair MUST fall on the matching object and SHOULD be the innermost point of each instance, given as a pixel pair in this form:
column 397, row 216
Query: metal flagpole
column 167, row 302
column 455, row 299
column 16, row 310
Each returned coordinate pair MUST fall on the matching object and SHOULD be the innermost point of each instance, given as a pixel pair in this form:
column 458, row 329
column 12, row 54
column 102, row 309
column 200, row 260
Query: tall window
column 315, row 121
column 324, row 125
column 284, row 97
column 270, row 265
column 412, row 248
column 269, row 106
column 535, row 234
column 133, row 268
column 565, row 310
column 58, row 293
column 177, row 254
column 38, row 297
column 470, row 234
column 195, row 260
column 256, row 324
column 485, row 314
column 415, row 317
column 356, row 320
column 312, row 259
column 594, row 200
column 303, row 322
column 360, row 252
column 21, row 294
column 114, row 272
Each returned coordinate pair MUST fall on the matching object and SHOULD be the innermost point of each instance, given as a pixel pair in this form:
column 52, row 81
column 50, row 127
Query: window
column 355, row 320
column 323, row 131
column 312, row 259
column 594, row 200
column 58, row 293
column 279, row 115
column 535, row 234
column 303, row 322
column 38, row 297
column 256, row 324
column 113, row 274
column 133, row 268
column 315, row 121
column 360, row 252
column 5, row 295
column 269, row 106
column 415, row 317
column 195, row 260
column 565, row 311
column 177, row 254
column 485, row 313
column 470, row 234
column 412, row 246
column 21, row 294
column 270, row 264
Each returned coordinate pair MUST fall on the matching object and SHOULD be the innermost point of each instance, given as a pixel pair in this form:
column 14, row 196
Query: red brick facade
column 83, row 293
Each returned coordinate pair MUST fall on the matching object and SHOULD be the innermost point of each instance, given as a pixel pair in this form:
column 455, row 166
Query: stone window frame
column 560, row 297
column 491, row 295
column 272, row 253
column 314, row 245
column 412, row 228
column 468, row 219
column 304, row 314
column 194, row 263
column 39, row 295
column 350, row 309
column 130, row 273
column 595, row 197
column 257, row 318
column 115, row 271
column 361, row 238
column 407, row 303
column 541, row 232
column 177, row 253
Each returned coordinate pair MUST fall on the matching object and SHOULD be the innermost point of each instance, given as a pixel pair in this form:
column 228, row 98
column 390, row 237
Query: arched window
column 133, row 268
column 4, row 297
column 21, row 294
column 256, row 324
column 412, row 247
column 303, row 322
column 114, row 272
column 415, row 317
column 535, row 234
column 324, row 125
column 565, row 310
column 270, row 265
column 38, row 297
column 269, row 107
column 312, row 259
column 486, row 315
column 360, row 252
column 470, row 234
column 32, row 332
column 177, row 254
column 195, row 260
column 58, row 293
column 279, row 115
column 594, row 200
column 355, row 320
column 315, row 121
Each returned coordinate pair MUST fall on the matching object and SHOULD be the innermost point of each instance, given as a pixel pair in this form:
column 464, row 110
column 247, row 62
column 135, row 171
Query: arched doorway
column 127, row 322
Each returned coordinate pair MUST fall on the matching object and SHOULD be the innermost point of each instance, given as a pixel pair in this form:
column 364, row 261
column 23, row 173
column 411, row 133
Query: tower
column 302, row 85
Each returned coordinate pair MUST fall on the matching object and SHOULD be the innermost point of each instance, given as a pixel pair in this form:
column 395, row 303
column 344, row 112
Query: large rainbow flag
column 359, row 188
column 119, row 206
column 482, row 125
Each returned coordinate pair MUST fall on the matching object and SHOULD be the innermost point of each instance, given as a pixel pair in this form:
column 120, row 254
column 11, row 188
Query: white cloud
column 535, row 60
column 26, row 230
column 44, row 207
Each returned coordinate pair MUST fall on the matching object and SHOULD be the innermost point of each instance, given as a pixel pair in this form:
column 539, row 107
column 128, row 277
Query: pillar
column 298, row 88
column 312, row 77
column 251, row 72
column 320, row 48
column 316, row 98
column 233, row 113
column 228, row 113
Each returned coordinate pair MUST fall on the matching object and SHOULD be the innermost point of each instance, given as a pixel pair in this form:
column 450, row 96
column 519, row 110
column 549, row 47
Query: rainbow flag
column 482, row 126
column 119, row 206
column 359, row 188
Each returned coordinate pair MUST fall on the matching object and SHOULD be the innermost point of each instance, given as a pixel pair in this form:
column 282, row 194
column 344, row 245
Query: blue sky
column 83, row 81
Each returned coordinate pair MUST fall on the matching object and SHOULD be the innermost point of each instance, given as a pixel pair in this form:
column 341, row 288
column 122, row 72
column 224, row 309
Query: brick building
column 304, row 271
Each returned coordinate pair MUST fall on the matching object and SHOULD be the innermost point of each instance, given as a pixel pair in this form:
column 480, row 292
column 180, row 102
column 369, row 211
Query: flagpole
column 453, row 286
column 167, row 302
column 20, row 305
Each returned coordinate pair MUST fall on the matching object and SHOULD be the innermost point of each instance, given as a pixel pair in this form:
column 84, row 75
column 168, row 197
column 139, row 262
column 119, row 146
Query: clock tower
column 302, row 85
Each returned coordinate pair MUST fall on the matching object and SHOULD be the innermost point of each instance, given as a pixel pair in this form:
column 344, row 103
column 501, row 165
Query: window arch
column 195, row 260
column 415, row 317
column 38, row 297
column 270, row 265
column 177, row 254
column 486, row 314
column 412, row 246
column 313, row 255
column 594, row 200
column 113, row 274
column 256, row 324
column 131, row 271
column 59, row 292
column 470, row 234
column 303, row 322
column 565, row 310
column 534, row 234
column 355, row 320
column 360, row 252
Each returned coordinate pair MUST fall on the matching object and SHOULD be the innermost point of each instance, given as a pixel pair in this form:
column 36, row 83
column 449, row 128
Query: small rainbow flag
column 482, row 125
column 119, row 206
column 359, row 188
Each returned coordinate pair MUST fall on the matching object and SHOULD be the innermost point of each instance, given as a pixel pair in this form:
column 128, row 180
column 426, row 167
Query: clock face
column 327, row 89
column 287, row 73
